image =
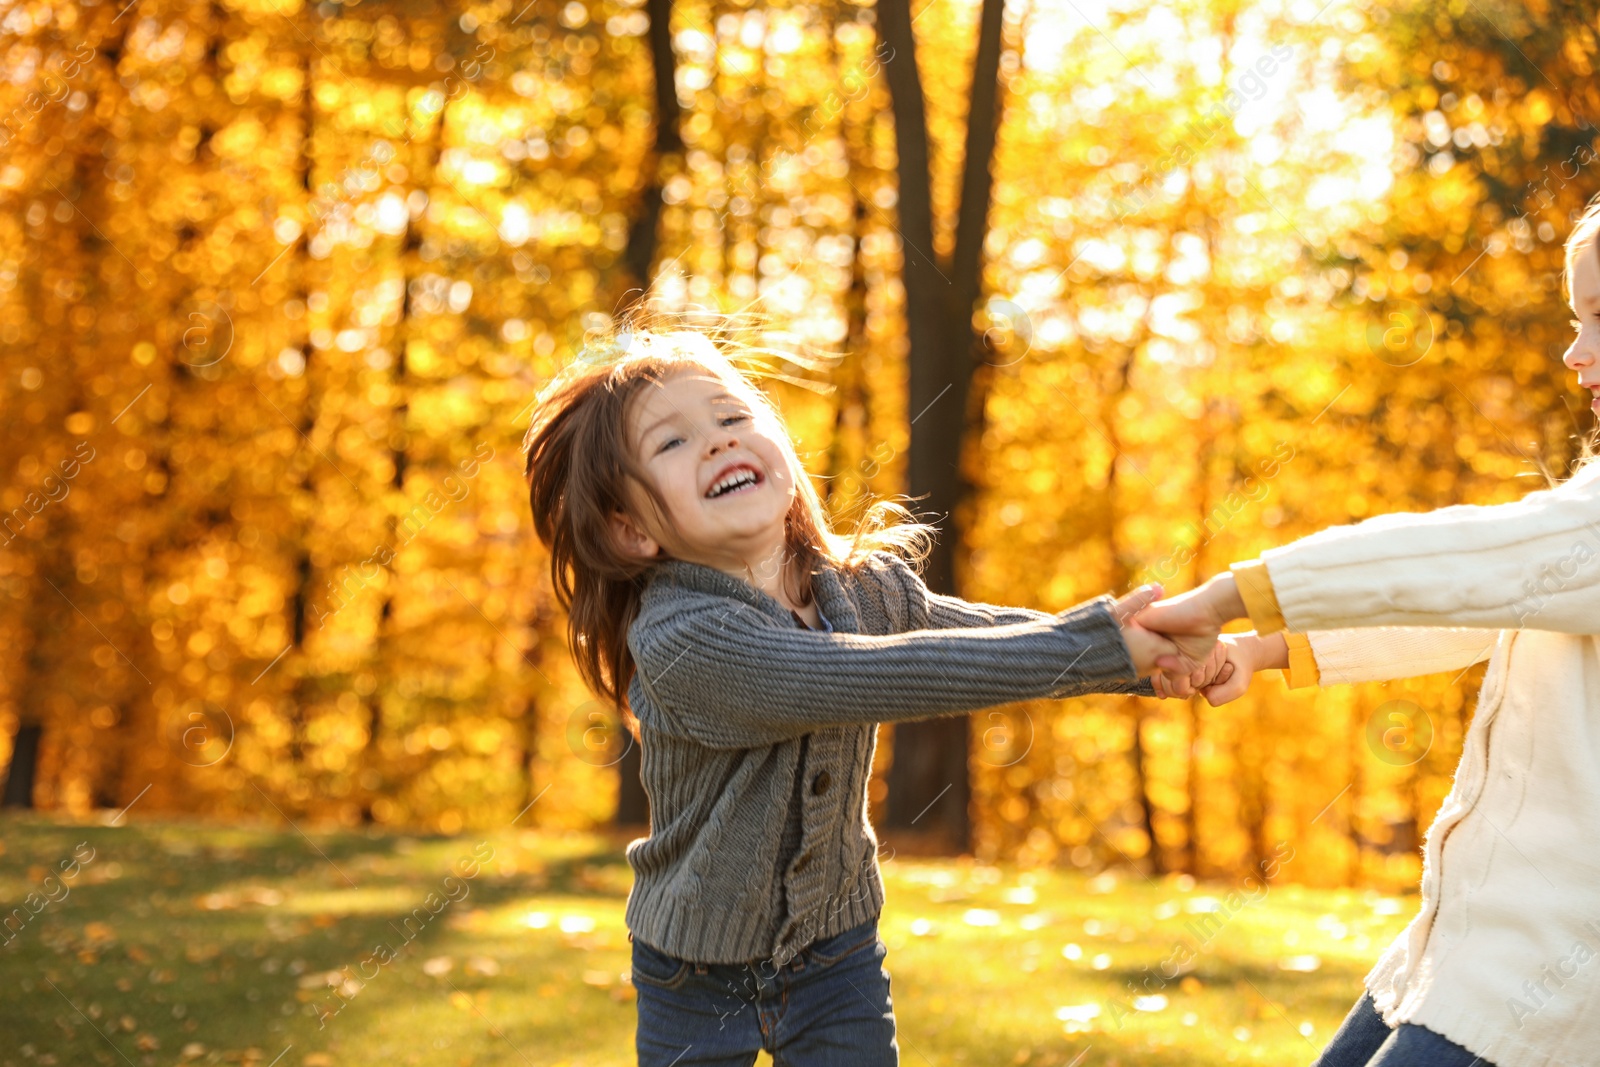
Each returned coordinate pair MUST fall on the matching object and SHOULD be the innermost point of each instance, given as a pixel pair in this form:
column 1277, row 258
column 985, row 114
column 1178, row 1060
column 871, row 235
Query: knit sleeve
column 1532, row 564
column 727, row 676
column 923, row 609
column 1375, row 654
column 927, row 610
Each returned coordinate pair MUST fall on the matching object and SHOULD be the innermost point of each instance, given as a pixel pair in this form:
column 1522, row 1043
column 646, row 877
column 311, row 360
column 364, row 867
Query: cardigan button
column 820, row 784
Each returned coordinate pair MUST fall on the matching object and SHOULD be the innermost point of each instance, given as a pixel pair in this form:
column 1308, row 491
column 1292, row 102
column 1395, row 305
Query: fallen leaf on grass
column 319, row 980
column 1300, row 964
column 1078, row 1013
column 1104, row 882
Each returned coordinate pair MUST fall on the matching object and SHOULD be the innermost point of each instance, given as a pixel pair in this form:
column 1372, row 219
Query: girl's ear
column 631, row 539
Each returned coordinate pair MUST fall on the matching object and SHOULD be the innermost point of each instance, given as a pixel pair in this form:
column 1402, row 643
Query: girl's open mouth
column 741, row 479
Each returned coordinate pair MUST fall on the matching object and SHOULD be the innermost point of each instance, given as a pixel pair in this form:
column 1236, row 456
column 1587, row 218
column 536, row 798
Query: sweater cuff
column 1260, row 599
column 1303, row 670
column 1104, row 665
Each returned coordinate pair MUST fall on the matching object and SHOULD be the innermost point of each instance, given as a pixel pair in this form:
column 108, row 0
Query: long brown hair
column 578, row 464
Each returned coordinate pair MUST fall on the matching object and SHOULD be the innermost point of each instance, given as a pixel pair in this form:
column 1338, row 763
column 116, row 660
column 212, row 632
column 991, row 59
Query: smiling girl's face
column 719, row 462
column 1584, row 355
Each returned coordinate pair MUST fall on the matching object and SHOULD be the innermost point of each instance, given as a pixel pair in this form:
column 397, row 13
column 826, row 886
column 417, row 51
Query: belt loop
column 700, row 968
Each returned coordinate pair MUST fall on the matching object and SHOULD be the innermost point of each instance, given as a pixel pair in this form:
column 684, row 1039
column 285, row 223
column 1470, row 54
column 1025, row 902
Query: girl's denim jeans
column 1365, row 1040
column 828, row 1007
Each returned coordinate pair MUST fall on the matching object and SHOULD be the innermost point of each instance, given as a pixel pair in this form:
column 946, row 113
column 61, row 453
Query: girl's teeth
column 742, row 480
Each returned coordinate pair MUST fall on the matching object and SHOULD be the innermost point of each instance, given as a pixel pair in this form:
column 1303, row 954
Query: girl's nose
column 1580, row 355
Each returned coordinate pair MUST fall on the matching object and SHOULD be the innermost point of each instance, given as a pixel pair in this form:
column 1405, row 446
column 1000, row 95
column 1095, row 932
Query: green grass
column 182, row 942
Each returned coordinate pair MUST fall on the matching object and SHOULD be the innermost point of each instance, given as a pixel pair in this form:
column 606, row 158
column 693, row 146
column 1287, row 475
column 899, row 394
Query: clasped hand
column 1179, row 641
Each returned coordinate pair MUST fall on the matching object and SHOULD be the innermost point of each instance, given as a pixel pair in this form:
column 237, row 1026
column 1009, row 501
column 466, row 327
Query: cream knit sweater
column 1504, row 955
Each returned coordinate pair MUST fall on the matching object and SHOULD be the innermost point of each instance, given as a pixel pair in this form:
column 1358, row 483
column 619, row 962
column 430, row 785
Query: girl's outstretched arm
column 1532, row 564
column 1346, row 657
column 727, row 676
column 928, row 610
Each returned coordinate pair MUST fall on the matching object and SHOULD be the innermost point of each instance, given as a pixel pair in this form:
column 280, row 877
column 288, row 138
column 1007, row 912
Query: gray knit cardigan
column 726, row 686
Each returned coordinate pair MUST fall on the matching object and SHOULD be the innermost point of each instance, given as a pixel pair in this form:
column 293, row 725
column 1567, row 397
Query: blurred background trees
column 1125, row 292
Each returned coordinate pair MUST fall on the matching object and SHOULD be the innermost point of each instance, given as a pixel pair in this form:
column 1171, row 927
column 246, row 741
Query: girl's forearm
column 1270, row 651
column 1222, row 592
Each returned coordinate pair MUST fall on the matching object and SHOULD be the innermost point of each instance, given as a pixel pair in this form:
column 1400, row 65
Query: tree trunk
column 300, row 692
column 633, row 803
column 51, row 619
column 666, row 153
column 666, row 149
column 852, row 417
column 24, row 765
column 1352, row 826
column 929, row 776
column 371, row 758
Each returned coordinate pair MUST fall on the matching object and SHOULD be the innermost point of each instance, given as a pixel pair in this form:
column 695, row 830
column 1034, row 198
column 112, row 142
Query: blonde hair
column 578, row 461
column 1585, row 237
column 1584, row 232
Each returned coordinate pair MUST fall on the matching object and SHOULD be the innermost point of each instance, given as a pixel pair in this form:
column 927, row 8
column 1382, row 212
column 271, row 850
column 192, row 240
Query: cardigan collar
column 826, row 586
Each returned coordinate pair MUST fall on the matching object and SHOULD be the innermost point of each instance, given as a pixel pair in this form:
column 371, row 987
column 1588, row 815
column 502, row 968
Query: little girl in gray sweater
column 756, row 650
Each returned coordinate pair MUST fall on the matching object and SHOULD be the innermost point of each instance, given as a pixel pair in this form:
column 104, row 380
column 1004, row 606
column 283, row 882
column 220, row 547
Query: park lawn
column 184, row 942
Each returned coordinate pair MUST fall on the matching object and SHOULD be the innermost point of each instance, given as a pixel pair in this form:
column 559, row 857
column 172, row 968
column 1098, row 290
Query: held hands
column 1179, row 642
column 1192, row 622
column 1149, row 651
column 1218, row 666
column 1227, row 672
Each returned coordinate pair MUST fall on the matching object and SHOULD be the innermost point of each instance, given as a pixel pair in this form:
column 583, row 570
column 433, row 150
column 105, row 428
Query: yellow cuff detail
column 1260, row 600
column 1303, row 669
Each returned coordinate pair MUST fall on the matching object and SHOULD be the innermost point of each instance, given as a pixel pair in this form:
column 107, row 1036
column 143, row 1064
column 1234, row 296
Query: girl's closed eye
column 725, row 420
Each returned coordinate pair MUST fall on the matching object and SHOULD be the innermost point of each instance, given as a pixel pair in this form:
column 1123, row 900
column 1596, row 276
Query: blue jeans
column 1365, row 1040
column 828, row 1007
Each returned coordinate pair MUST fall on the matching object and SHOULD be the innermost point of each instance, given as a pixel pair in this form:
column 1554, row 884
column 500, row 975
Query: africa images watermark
column 1251, row 86
column 354, row 578
column 32, row 504
column 1253, row 491
column 56, row 88
column 52, row 890
column 1200, row 931
column 346, row 983
column 1565, row 970
column 1553, row 579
